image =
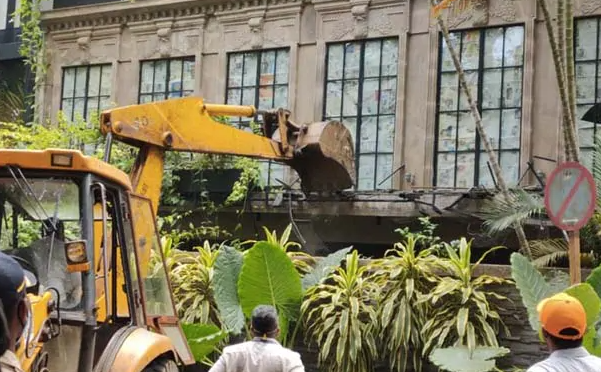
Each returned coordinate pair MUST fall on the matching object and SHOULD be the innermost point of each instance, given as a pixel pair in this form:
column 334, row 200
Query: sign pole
column 574, row 252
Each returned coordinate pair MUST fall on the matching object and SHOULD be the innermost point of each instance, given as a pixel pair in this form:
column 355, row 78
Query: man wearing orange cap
column 563, row 322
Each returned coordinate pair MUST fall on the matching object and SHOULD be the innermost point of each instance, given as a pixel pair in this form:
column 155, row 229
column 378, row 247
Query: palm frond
column 12, row 102
column 500, row 214
column 547, row 252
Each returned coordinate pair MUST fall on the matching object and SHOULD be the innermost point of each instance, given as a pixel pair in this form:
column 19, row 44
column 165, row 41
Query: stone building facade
column 379, row 65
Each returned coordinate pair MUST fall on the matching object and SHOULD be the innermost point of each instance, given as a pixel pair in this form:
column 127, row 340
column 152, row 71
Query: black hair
column 264, row 320
column 563, row 344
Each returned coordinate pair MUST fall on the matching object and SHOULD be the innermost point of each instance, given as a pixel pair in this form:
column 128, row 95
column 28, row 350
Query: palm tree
column 437, row 7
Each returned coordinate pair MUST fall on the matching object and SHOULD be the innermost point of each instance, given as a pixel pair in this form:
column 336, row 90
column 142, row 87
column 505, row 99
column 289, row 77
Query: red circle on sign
column 588, row 178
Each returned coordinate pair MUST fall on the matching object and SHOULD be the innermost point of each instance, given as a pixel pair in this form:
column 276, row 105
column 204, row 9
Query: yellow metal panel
column 139, row 350
column 41, row 159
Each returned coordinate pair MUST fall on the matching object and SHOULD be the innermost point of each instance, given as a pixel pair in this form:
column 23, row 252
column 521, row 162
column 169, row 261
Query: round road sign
column 570, row 196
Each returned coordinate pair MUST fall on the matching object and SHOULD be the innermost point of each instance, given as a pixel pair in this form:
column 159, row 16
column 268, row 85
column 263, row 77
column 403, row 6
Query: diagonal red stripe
column 570, row 196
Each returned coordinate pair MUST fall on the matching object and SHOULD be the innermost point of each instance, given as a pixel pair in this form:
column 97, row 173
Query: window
column 493, row 63
column 86, row 90
column 588, row 83
column 259, row 78
column 166, row 78
column 360, row 91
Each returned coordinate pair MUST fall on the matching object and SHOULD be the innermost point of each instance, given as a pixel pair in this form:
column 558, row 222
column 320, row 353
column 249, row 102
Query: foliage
column 302, row 261
column 409, row 275
column 469, row 316
column 323, row 268
column 500, row 213
column 192, row 288
column 203, row 339
column 340, row 315
column 269, row 277
column 461, row 359
column 32, row 38
column 586, row 294
column 424, row 237
column 251, row 175
column 225, row 287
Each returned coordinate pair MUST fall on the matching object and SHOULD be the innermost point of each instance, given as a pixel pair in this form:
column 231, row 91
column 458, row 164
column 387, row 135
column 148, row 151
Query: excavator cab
column 100, row 297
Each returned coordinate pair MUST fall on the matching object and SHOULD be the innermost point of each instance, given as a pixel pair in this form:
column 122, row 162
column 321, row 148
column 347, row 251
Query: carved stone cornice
column 126, row 12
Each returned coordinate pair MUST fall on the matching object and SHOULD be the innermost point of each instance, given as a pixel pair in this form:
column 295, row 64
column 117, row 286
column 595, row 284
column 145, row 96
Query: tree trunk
column 521, row 235
column 568, row 127
column 571, row 76
column 560, row 43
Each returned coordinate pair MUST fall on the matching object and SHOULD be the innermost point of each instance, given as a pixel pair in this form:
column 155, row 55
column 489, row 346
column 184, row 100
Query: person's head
column 264, row 322
column 48, row 226
column 563, row 320
column 13, row 297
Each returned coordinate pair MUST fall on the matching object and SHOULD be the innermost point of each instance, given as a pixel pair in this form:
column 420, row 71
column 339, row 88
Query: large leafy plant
column 461, row 359
column 409, row 275
column 340, row 316
column 466, row 314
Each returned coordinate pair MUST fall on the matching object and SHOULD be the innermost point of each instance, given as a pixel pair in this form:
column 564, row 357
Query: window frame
column 257, row 86
column 480, row 70
column 86, row 97
column 154, row 61
column 359, row 116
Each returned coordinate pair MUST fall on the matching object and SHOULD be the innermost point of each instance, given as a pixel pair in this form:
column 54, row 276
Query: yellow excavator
column 86, row 232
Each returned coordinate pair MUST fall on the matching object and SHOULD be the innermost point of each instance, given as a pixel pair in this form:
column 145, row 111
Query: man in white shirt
column 263, row 353
column 563, row 320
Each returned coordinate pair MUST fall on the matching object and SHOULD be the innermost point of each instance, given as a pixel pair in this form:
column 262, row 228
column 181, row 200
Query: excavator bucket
column 324, row 157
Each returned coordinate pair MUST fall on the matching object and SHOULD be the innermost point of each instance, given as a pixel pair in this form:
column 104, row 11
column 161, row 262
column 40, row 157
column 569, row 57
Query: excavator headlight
column 77, row 258
column 62, row 160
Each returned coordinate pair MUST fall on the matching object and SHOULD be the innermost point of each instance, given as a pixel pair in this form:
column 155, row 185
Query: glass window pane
column 586, row 158
column 586, row 39
column 234, row 97
column 491, row 121
column 510, row 131
column 486, row 178
column 352, row 55
column 79, row 109
column 449, row 91
column 145, row 98
column 465, row 170
column 386, row 133
column 189, row 67
column 493, row 48
column 159, row 97
column 267, row 68
column 335, row 57
column 384, row 169
column 67, row 108
column 466, row 132
column 94, row 82
column 514, row 46
column 447, row 61
column 369, row 128
column 92, row 108
column 105, row 103
column 366, row 174
column 512, row 87
column 445, row 170
column 350, row 98
column 80, row 81
column 371, row 58
column 250, row 69
column 585, row 82
column 390, row 57
column 106, row 81
column 351, row 124
column 235, row 70
column 282, row 67
column 175, row 75
column 470, row 50
column 160, row 76
column 68, row 82
column 510, row 163
column 388, row 96
column 248, row 96
column 154, row 276
column 447, row 125
column 265, row 98
column 333, row 99
column 491, row 89
column 147, row 78
column 370, row 96
column 281, row 96
column 586, row 130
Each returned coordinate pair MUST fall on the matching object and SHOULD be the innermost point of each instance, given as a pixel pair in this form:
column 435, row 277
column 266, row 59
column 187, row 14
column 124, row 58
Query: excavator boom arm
column 321, row 153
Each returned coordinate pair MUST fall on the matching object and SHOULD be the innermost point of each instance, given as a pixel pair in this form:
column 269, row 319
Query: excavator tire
column 161, row 365
column 324, row 157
